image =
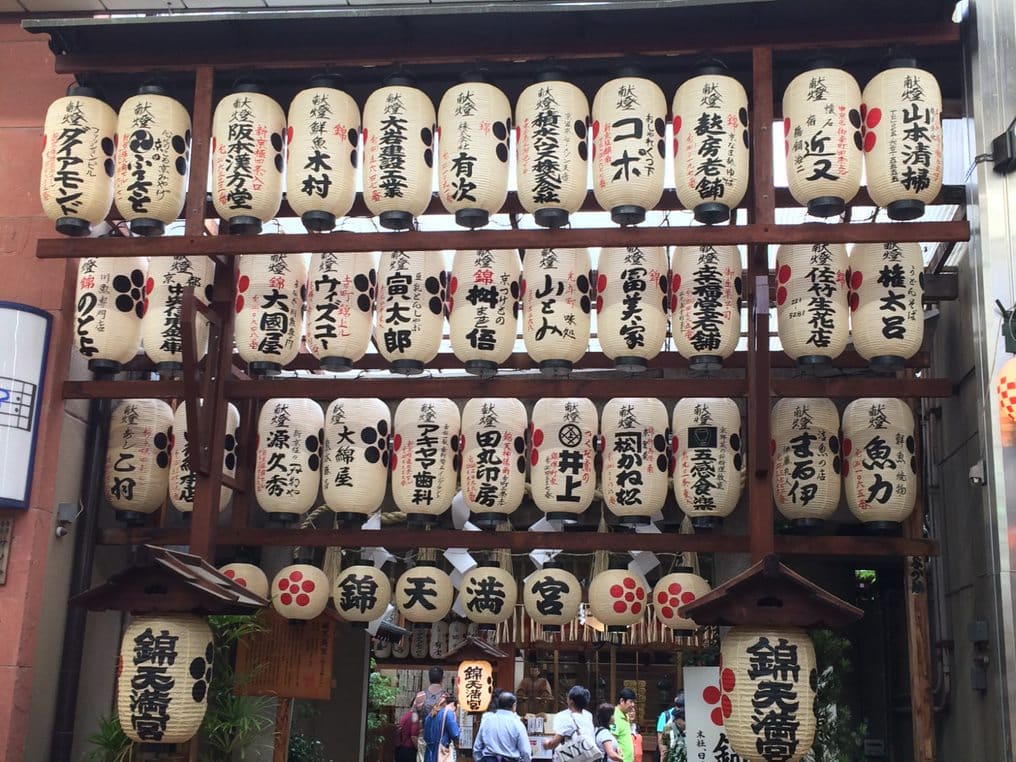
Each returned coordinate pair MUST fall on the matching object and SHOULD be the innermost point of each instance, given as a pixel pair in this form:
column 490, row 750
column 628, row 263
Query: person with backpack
column 673, row 745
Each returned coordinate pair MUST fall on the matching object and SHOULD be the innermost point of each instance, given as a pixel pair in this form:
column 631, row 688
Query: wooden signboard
column 289, row 659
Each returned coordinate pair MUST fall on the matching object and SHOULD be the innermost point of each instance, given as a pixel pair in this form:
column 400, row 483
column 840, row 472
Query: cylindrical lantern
column 711, row 144
column 768, row 680
column 398, row 152
column 563, row 477
column 361, row 593
column 182, row 478
column 248, row 576
column 419, row 640
column 705, row 304
column 551, row 121
column 137, row 458
column 672, row 592
column 340, row 307
column 475, row 684
column 552, row 597
column 805, row 450
column 636, row 469
column 483, row 307
column 708, row 464
column 811, row 301
column 161, row 330
column 383, row 648
column 152, row 156
column 457, row 633
column 488, row 595
column 902, row 113
column 287, row 469
column 822, row 138
column 1005, row 387
column 493, row 458
column 425, row 457
column 355, row 471
column 324, row 131
column 618, row 598
column 474, row 121
column 401, row 647
column 76, row 182
column 270, row 290
column 424, row 594
column 108, row 307
column 300, row 591
column 438, row 640
column 629, row 128
column 248, row 160
column 555, row 307
column 887, row 302
column 163, row 677
column 410, row 308
column 631, row 304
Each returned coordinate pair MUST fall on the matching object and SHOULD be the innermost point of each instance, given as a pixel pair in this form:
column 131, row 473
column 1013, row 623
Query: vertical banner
column 704, row 715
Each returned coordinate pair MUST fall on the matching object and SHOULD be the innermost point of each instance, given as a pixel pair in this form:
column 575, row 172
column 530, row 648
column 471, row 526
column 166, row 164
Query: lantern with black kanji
column 137, row 458
column 287, row 470
column 475, row 685
column 902, row 113
column 457, row 633
column 556, row 284
column 182, row 477
column 419, row 642
column 426, row 457
column 109, row 304
column 493, row 458
column 552, row 597
column 324, row 132
column 805, row 450
column 636, row 466
column 300, row 591
column 341, row 289
column 811, row 301
column 248, row 576
column 361, row 594
column 438, row 640
column 248, row 158
column 562, row 476
column 551, row 122
column 354, row 474
column 410, row 308
column 161, row 329
column 631, row 304
column 673, row 591
column 705, row 304
column 708, row 463
column 424, row 594
column 483, row 307
column 270, row 290
column 488, row 595
column 152, row 157
column 76, row 181
column 618, row 597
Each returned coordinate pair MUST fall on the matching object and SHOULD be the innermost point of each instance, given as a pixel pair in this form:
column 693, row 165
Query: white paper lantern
column 361, row 593
column 438, row 640
column 419, row 642
column 300, row 592
column 341, row 289
column 552, row 597
column 161, row 330
column 636, row 469
column 555, row 307
column 426, row 453
column 356, row 457
column 182, row 479
column 673, row 591
column 705, row 304
column 411, row 303
column 383, row 648
column 109, row 304
column 618, row 598
column 811, row 301
column 137, row 458
column 488, row 595
column 248, row 576
column 493, row 458
column 400, row 648
column 805, row 450
column 483, row 307
column 631, row 304
column 562, row 476
column 457, row 633
column 708, row 463
column 424, row 594
column 287, row 468
column 270, row 290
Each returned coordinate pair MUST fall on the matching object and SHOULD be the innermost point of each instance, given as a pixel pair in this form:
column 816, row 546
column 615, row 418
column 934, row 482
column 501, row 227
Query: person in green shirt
column 621, row 728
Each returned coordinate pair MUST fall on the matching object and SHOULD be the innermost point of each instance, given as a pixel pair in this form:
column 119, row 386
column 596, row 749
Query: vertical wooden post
column 283, row 724
column 201, row 140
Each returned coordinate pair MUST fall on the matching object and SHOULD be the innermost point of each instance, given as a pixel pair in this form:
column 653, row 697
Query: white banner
column 704, row 715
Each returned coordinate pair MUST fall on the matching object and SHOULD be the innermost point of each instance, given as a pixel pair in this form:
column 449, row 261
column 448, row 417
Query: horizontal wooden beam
column 861, row 547
column 852, row 387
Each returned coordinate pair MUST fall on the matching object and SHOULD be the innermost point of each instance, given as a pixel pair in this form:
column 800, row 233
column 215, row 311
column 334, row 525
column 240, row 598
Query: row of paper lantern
column 139, row 158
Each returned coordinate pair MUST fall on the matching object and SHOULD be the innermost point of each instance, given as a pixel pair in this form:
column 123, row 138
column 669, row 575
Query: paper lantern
column 483, row 307
column 76, row 181
column 419, row 641
column 474, row 121
column 410, row 308
column 248, row 161
column 300, row 591
column 708, row 464
column 822, row 138
column 400, row 648
column 152, row 157
column 805, row 449
column 811, row 301
column 493, row 458
column 552, row 597
column 182, row 479
column 887, row 302
column 551, row 118
column 361, row 594
column 340, row 307
column 137, row 458
column 457, row 633
column 636, row 469
column 324, row 132
column 1005, row 387
column 711, row 144
column 270, row 290
column 488, row 595
column 163, row 677
column 768, row 680
column 426, row 458
column 618, row 598
column 383, row 648
column 287, row 471
column 355, row 470
column 556, row 284
column 674, row 591
column 248, row 576
column 902, row 113
column 474, row 685
column 562, row 476
column 398, row 152
column 705, row 304
column 631, row 304
column 424, row 594
column 108, row 307
column 161, row 330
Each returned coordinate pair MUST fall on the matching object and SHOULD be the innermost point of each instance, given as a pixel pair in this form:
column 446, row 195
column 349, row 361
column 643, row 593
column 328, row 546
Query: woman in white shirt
column 576, row 719
column 605, row 740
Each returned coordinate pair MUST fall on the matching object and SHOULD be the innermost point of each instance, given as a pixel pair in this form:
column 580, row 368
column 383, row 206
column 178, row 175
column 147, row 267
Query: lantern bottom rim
column 421, row 625
column 407, row 367
column 489, row 520
column 551, row 218
column 169, row 367
column 358, row 625
column 422, row 520
column 132, row 518
column 826, row 206
column 73, row 227
column 158, row 749
column 887, row 363
column 811, row 361
column 472, row 218
column 553, row 628
column 616, row 629
column 264, row 368
column 707, row 523
column 556, row 368
column 283, row 518
column 807, row 525
column 706, row 363
column 186, row 515
column 396, row 220
column 628, row 214
column 486, row 626
column 318, row 221
column 634, row 521
column 148, row 227
column 906, row 209
column 881, row 527
column 712, row 213
column 681, row 632
column 347, row 518
column 631, row 364
column 566, row 518
column 336, row 364
column 244, row 224
column 481, row 368
column 104, row 366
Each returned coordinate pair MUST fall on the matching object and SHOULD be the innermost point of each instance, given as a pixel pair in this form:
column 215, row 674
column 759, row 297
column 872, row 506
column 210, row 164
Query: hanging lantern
column 248, row 162
column 556, row 284
column 438, row 640
column 711, row 144
column 383, row 648
column 78, row 141
column 488, row 595
column 758, row 664
column 474, row 683
column 182, row 479
column 474, row 121
column 425, row 458
column 457, row 633
column 410, row 308
column 887, row 302
column 631, row 304
column 400, row 648
column 137, row 458
column 419, row 640
column 551, row 121
column 163, row 677
column 562, row 476
column 708, row 464
column 300, row 591
column 109, row 304
column 902, row 113
column 248, row 576
column 340, row 307
column 161, row 330
column 424, row 594
column 493, row 458
column 805, row 451
column 552, row 597
column 672, row 592
column 705, row 304
column 811, row 301
column 286, row 474
column 618, row 597
column 152, row 155
column 822, row 138
column 270, row 290
column 361, row 594
column 356, row 457
column 636, row 469
column 324, row 131
column 1005, row 387
column 484, row 323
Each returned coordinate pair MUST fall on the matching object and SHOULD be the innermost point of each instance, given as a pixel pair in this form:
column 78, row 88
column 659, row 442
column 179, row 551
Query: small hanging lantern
column 182, row 479
column 137, row 458
column 563, row 450
column 457, row 633
column 618, row 597
column 552, row 597
column 424, row 595
column 248, row 576
column 1005, row 387
column 483, row 307
column 556, row 284
column 426, row 458
column 672, row 592
column 811, row 301
column 488, row 595
column 78, row 143
column 161, row 330
column 636, row 467
column 551, row 121
column 631, row 304
column 361, row 594
column 475, row 685
column 270, row 290
column 324, row 132
column 110, row 301
column 708, row 464
column 419, row 640
column 705, row 304
column 411, row 303
column 493, row 458
column 438, row 640
column 805, row 451
column 341, row 289
column 300, row 592
column 356, row 457
column 287, row 468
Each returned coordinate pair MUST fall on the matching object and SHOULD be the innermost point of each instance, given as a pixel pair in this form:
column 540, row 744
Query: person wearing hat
column 671, row 741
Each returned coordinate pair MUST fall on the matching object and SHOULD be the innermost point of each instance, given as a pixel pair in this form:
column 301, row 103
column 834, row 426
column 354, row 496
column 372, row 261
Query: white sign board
column 704, row 715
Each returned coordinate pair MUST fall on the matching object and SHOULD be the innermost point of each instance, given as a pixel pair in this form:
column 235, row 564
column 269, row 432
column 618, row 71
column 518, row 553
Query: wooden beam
column 853, row 387
column 201, row 132
column 922, row 706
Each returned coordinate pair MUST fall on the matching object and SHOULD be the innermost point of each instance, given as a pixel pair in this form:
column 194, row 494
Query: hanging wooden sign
column 287, row 661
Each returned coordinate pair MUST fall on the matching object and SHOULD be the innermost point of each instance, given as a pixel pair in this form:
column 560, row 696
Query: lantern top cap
column 153, row 88
column 901, row 62
column 552, row 73
column 475, row 75
column 618, row 563
column 249, row 85
column 710, row 66
column 821, row 62
column 631, row 70
column 400, row 79
column 82, row 91
column 334, row 81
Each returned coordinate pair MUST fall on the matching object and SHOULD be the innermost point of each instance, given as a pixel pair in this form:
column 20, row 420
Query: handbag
column 444, row 753
column 578, row 748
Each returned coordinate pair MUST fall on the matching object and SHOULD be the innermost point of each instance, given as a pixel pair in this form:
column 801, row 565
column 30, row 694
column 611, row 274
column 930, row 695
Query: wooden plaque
column 290, row 659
